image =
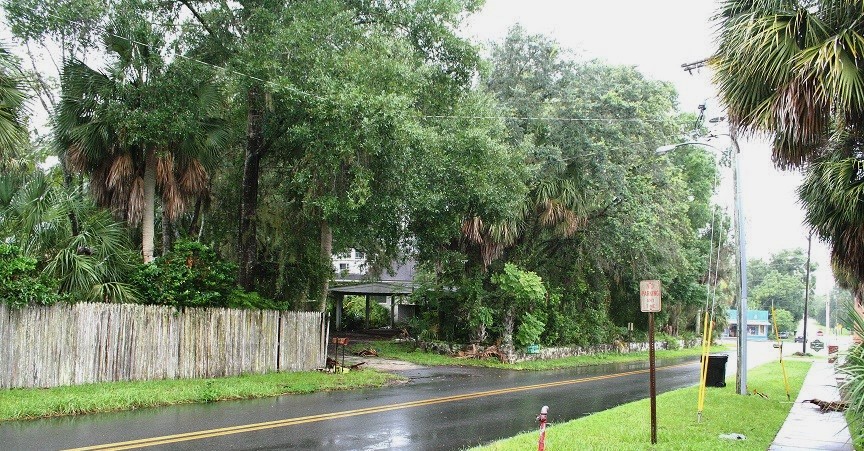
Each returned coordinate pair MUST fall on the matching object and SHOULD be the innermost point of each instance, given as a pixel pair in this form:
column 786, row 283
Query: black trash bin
column 716, row 374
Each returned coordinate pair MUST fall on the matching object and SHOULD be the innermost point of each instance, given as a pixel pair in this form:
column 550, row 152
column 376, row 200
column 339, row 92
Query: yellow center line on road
column 198, row 435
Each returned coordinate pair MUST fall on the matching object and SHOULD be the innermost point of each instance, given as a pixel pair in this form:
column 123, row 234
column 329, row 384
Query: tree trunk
column 326, row 259
column 167, row 233
column 507, row 324
column 509, row 321
column 194, row 228
column 247, row 245
column 68, row 180
column 479, row 333
column 149, row 217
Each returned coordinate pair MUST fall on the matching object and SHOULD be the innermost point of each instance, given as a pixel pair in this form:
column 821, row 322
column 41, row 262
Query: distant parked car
column 783, row 335
column 799, row 339
column 819, row 333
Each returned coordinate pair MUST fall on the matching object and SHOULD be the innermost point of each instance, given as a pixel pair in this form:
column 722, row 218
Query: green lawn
column 406, row 352
column 628, row 426
column 19, row 404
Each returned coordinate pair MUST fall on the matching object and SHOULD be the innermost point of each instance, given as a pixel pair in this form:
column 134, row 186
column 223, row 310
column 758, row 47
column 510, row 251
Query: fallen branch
column 829, row 406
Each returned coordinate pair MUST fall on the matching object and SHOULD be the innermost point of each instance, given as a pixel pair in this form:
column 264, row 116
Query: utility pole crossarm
column 690, row 67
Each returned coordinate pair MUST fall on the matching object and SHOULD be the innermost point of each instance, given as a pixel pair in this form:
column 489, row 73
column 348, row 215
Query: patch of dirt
column 381, row 364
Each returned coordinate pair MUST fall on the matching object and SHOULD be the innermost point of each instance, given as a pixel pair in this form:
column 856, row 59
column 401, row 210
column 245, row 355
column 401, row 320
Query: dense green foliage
column 522, row 180
column 191, row 275
column 354, row 313
column 784, row 321
column 599, row 211
column 780, row 282
column 21, row 282
column 12, row 96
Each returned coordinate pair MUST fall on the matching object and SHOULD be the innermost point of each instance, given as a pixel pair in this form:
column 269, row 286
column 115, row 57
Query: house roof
column 397, row 272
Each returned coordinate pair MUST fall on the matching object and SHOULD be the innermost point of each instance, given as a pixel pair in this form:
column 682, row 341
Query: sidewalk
column 808, row 428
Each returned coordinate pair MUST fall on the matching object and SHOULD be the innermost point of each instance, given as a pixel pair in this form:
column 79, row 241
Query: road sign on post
column 817, row 345
column 649, row 295
column 649, row 301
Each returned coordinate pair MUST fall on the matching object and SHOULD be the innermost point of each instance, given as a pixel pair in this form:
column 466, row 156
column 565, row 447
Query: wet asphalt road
column 440, row 408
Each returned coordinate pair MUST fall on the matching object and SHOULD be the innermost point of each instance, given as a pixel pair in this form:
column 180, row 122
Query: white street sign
column 649, row 295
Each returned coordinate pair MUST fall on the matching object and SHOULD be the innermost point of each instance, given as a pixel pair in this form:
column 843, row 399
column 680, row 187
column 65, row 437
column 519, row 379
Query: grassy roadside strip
column 17, row 404
column 628, row 426
column 406, row 352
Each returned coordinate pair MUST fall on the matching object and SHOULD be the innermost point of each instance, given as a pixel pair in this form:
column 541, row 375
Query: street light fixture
column 741, row 371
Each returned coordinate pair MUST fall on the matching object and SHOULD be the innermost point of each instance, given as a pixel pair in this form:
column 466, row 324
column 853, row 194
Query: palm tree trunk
column 194, row 228
column 326, row 256
column 247, row 242
column 149, row 217
column 167, row 233
column 68, row 180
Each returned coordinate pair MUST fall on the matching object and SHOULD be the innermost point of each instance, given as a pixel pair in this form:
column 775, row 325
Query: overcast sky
column 657, row 37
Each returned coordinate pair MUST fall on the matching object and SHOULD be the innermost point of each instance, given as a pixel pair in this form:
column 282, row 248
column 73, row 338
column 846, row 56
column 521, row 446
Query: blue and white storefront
column 758, row 324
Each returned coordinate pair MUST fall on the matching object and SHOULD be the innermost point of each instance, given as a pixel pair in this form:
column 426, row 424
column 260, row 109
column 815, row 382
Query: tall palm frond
column 793, row 69
column 12, row 130
column 35, row 214
column 832, row 195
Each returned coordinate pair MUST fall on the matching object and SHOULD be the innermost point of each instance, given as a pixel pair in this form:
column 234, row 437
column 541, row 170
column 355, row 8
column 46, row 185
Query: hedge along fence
column 85, row 343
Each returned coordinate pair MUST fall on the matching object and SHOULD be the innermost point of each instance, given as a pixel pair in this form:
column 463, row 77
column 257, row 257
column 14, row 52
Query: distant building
column 758, row 324
column 389, row 288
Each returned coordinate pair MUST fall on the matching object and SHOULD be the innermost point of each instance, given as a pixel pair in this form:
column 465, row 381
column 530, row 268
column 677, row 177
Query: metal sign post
column 649, row 301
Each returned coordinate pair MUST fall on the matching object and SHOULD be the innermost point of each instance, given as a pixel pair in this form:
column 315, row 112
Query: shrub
column 21, row 282
column 251, row 300
column 529, row 330
column 691, row 339
column 561, row 329
column 191, row 275
column 852, row 389
column 672, row 343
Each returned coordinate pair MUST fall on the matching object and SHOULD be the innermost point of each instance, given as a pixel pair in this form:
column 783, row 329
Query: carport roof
column 375, row 288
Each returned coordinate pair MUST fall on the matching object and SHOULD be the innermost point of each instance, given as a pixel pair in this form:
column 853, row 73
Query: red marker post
column 542, row 419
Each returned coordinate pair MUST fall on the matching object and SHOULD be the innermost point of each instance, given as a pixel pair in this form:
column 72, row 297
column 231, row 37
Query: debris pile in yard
column 829, row 406
column 475, row 352
column 333, row 366
column 369, row 352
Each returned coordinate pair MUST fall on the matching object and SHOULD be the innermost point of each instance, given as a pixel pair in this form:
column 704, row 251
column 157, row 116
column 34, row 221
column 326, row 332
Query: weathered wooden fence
column 84, row 343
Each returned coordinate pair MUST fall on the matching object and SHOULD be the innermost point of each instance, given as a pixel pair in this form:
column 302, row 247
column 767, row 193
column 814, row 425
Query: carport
column 390, row 289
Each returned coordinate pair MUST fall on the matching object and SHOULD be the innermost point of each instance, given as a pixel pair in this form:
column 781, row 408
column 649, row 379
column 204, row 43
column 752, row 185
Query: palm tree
column 832, row 194
column 792, row 69
column 795, row 70
column 142, row 127
column 35, row 215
